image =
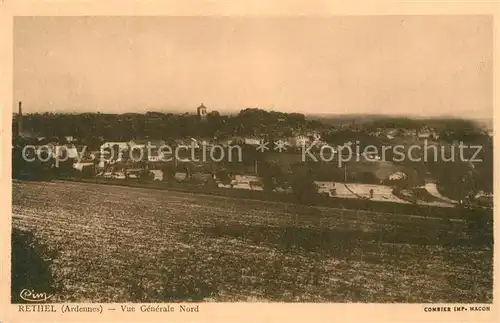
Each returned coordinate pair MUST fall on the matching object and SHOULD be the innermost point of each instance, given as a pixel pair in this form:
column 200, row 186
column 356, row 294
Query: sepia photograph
column 296, row 159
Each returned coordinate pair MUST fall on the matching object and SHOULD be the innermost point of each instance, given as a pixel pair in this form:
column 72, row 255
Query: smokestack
column 20, row 119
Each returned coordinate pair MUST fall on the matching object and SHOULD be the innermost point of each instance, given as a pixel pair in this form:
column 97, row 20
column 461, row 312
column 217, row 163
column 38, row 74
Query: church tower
column 202, row 112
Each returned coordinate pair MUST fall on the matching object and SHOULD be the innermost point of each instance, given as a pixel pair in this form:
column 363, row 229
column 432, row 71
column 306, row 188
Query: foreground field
column 117, row 244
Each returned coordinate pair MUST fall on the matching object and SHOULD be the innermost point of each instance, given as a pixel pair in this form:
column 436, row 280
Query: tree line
column 92, row 128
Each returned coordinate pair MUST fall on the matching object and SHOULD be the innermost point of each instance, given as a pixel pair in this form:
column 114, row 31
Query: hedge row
column 319, row 200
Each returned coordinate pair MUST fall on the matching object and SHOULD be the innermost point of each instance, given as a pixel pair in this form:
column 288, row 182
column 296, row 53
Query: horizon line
column 235, row 112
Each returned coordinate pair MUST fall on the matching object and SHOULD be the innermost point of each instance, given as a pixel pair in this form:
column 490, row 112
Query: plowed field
column 118, row 244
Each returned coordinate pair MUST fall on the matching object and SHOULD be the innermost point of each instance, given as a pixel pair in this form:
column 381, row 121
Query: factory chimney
column 20, row 120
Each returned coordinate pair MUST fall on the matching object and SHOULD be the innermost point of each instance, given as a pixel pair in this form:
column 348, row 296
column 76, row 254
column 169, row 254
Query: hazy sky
column 415, row 65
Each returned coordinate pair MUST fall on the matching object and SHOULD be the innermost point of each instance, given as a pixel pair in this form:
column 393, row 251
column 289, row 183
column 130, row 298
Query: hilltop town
column 97, row 146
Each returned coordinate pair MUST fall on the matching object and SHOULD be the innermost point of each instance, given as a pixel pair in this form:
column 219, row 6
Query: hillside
column 115, row 244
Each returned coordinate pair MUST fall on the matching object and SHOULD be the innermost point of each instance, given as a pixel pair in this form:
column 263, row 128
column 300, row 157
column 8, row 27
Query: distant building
column 107, row 151
column 202, row 112
column 72, row 152
column 155, row 156
column 407, row 133
column 247, row 140
column 393, row 132
column 153, row 150
column 184, row 142
column 143, row 143
column 69, row 138
column 316, row 136
column 110, row 144
column 81, row 166
column 397, row 176
column 425, row 134
column 372, row 156
column 299, row 140
column 252, row 141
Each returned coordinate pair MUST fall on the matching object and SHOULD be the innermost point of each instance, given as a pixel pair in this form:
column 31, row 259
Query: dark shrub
column 30, row 266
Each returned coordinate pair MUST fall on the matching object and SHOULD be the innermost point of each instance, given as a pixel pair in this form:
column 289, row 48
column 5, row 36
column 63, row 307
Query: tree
column 31, row 265
column 115, row 151
column 88, row 171
column 213, row 116
column 223, row 176
column 272, row 176
column 168, row 173
column 91, row 142
column 485, row 168
column 211, row 127
column 302, row 183
column 144, row 174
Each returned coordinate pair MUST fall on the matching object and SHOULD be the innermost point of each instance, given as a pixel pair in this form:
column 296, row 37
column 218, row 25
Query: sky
column 404, row 65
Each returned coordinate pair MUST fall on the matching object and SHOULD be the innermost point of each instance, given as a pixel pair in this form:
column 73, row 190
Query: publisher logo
column 30, row 295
